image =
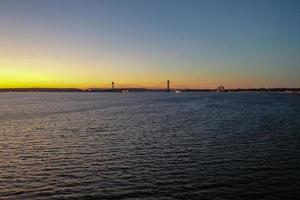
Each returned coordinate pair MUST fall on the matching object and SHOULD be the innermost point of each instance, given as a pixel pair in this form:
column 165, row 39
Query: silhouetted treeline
column 41, row 90
column 264, row 90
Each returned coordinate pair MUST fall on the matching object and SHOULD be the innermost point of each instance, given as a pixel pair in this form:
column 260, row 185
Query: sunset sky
column 195, row 44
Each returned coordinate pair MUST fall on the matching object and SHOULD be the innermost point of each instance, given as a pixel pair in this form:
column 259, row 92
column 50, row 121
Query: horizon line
column 144, row 88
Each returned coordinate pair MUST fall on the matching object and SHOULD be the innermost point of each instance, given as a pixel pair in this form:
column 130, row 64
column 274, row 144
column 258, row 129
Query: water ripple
column 149, row 146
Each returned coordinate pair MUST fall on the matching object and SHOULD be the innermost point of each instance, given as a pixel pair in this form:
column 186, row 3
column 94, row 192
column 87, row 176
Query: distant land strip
column 287, row 90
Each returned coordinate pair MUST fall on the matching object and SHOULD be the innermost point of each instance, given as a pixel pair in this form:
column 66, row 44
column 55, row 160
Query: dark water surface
column 149, row 146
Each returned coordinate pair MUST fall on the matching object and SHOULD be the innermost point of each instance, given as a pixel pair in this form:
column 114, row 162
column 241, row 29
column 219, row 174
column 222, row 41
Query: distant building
column 221, row 88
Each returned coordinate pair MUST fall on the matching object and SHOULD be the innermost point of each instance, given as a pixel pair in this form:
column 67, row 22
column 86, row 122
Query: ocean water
column 149, row 146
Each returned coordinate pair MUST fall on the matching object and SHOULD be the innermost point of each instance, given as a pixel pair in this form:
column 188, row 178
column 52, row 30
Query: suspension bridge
column 165, row 86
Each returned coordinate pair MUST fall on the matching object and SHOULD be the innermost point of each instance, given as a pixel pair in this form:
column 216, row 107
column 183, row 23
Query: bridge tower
column 112, row 85
column 168, row 85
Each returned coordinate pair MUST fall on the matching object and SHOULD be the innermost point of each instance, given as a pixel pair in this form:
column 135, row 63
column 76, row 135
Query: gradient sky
column 196, row 44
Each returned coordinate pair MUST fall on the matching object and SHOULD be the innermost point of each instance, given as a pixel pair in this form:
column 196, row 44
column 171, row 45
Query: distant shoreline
column 118, row 90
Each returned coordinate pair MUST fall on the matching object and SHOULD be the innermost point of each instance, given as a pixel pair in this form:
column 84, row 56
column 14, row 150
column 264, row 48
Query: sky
column 193, row 43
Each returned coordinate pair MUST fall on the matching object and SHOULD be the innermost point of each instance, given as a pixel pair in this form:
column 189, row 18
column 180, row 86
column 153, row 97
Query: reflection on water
column 149, row 146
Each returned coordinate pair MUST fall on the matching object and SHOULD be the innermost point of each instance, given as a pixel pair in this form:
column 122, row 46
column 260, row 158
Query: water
column 149, row 146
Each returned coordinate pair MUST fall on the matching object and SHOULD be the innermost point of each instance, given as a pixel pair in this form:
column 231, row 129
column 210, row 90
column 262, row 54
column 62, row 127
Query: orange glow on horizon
column 45, row 73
